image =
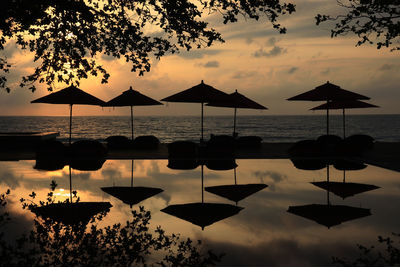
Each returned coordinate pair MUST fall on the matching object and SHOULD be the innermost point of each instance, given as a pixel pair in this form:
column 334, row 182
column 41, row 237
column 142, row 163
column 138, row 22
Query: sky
column 255, row 59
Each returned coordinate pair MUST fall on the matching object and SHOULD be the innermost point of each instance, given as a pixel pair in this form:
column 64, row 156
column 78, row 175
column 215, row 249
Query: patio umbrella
column 236, row 100
column 69, row 212
column 345, row 189
column 201, row 213
column 235, row 192
column 131, row 195
column 201, row 93
column 328, row 92
column 131, row 98
column 344, row 104
column 71, row 96
column 328, row 214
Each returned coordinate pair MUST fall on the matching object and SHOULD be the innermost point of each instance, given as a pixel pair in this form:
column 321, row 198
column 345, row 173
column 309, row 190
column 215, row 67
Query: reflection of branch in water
column 54, row 243
column 375, row 255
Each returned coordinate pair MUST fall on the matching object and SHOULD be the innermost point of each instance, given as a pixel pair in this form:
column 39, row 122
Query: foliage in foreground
column 53, row 243
column 373, row 21
column 387, row 253
column 68, row 37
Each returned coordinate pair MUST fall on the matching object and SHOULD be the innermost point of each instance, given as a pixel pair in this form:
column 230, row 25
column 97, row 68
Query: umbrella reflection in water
column 235, row 192
column 132, row 195
column 345, row 189
column 72, row 213
column 328, row 214
column 201, row 213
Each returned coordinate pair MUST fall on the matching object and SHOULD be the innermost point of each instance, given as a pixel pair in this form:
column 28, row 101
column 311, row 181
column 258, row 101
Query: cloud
column 326, row 71
column 244, row 75
column 276, row 253
column 275, row 51
column 211, row 64
column 292, row 70
column 388, row 67
column 270, row 175
column 271, row 41
column 195, row 54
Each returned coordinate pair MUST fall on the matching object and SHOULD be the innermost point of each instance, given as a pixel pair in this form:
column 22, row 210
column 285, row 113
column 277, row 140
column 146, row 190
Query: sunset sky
column 256, row 60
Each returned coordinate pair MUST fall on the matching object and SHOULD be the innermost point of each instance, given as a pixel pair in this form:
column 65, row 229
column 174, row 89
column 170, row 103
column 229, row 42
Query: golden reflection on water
column 264, row 218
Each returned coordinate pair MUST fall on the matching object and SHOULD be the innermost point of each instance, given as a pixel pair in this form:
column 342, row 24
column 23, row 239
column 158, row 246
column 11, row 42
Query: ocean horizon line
column 225, row 115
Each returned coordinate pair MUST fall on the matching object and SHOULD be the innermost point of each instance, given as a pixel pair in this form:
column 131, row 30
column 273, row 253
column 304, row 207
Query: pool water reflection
column 263, row 232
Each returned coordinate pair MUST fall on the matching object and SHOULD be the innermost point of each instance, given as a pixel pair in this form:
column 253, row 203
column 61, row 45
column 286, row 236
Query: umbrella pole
column 234, row 172
column 132, row 121
column 344, row 176
column 132, row 175
column 70, row 183
column 202, row 184
column 202, row 111
column 327, row 178
column 344, row 126
column 234, row 123
column 70, row 123
column 327, row 120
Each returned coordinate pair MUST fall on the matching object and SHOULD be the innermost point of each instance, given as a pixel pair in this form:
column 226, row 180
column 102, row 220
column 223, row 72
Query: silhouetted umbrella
column 201, row 93
column 343, row 104
column 71, row 96
column 329, row 215
column 131, row 98
column 345, row 189
column 131, row 195
column 235, row 192
column 327, row 92
column 200, row 213
column 236, row 100
column 71, row 212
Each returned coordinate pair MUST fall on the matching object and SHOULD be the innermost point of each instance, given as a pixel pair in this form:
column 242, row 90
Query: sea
column 288, row 128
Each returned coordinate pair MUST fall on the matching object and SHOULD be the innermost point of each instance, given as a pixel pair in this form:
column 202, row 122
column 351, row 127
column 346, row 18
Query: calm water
column 167, row 129
column 262, row 234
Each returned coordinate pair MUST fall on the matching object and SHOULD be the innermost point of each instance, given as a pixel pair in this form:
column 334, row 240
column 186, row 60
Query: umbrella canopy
column 202, row 214
column 71, row 96
column 235, row 192
column 131, row 195
column 201, row 93
column 344, row 104
column 343, row 189
column 131, row 98
column 72, row 213
column 236, row 100
column 328, row 92
column 329, row 215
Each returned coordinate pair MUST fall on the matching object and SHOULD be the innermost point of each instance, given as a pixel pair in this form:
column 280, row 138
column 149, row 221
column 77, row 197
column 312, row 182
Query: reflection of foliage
column 373, row 256
column 133, row 244
column 373, row 21
column 67, row 36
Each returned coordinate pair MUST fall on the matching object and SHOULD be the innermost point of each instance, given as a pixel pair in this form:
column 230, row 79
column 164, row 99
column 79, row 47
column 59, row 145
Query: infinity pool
column 262, row 233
